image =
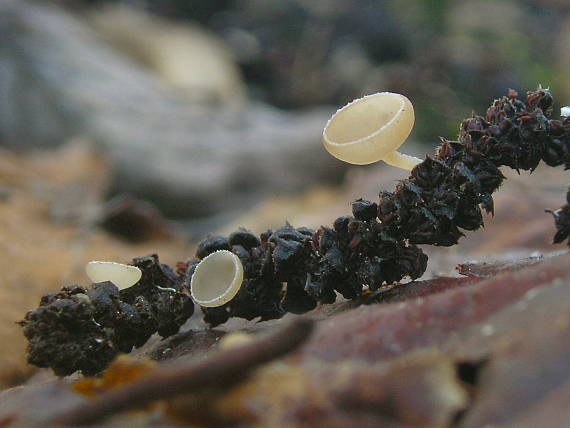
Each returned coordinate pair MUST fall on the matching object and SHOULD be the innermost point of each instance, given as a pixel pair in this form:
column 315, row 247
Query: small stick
column 223, row 367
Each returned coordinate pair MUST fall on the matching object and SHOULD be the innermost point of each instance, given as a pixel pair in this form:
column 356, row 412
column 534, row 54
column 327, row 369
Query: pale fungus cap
column 565, row 111
column 217, row 279
column 370, row 129
column 123, row 276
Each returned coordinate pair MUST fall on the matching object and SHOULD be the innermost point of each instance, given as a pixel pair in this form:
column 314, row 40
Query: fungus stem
column 401, row 160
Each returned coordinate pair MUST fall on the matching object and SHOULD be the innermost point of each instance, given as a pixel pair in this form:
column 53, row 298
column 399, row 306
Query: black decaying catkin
column 292, row 269
column 85, row 328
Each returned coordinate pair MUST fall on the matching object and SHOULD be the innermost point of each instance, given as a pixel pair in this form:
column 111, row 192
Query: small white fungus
column 370, row 129
column 565, row 111
column 217, row 279
column 123, row 276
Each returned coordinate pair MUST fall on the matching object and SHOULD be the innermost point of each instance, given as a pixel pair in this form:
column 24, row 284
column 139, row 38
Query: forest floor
column 481, row 339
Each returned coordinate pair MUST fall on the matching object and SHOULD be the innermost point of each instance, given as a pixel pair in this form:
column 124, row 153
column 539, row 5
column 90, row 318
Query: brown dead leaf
column 418, row 391
column 379, row 332
column 121, row 372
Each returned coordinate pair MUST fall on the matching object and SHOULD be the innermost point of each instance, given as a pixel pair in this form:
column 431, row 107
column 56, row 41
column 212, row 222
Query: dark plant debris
column 435, row 359
column 293, row 269
column 85, row 328
column 290, row 270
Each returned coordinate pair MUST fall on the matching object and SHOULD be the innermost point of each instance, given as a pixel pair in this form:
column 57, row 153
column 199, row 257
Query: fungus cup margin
column 217, row 279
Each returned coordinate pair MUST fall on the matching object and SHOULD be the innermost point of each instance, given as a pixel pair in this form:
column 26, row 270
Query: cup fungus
column 370, row 129
column 565, row 111
column 123, row 276
column 217, row 279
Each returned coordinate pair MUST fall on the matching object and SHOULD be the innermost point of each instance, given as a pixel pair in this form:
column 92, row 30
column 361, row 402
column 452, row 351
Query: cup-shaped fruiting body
column 123, row 276
column 370, row 129
column 217, row 279
column 565, row 111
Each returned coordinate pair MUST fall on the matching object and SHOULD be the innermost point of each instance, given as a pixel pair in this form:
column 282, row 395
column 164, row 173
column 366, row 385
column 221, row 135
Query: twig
column 223, row 367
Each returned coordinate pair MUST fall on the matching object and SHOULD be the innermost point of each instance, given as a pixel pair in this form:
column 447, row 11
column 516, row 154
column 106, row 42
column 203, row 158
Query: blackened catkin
column 292, row 269
column 85, row 328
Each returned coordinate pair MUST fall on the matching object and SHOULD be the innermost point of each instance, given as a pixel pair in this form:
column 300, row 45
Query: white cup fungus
column 370, row 129
column 217, row 279
column 123, row 276
column 565, row 111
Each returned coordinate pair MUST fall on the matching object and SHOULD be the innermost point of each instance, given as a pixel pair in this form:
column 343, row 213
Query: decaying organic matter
column 85, row 328
column 444, row 355
column 376, row 245
column 292, row 269
column 220, row 370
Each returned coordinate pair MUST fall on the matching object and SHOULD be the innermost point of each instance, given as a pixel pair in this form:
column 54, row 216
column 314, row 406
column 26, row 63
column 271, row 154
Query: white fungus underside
column 123, row 276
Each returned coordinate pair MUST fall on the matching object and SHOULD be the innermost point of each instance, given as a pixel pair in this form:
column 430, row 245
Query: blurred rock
column 57, row 80
column 193, row 61
column 449, row 57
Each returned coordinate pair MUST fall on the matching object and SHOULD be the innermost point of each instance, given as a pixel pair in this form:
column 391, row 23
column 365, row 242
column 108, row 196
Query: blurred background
column 131, row 127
